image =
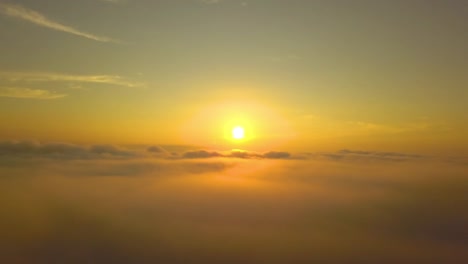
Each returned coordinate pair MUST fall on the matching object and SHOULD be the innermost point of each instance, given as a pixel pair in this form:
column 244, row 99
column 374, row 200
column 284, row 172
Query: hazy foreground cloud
column 26, row 93
column 227, row 210
column 39, row 19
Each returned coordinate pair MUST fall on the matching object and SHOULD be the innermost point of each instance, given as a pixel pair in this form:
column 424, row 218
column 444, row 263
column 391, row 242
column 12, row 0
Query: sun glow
column 238, row 132
column 227, row 125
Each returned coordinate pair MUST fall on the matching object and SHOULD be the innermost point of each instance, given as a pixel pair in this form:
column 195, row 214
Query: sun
column 238, row 132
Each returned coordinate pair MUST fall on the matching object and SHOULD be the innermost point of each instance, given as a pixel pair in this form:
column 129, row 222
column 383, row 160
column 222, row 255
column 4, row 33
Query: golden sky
column 299, row 75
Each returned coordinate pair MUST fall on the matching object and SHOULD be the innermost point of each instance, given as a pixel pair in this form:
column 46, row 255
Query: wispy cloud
column 113, row 1
column 59, row 77
column 210, row 1
column 243, row 3
column 15, row 92
column 39, row 19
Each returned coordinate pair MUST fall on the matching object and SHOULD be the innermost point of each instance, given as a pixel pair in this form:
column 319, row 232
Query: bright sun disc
column 238, row 132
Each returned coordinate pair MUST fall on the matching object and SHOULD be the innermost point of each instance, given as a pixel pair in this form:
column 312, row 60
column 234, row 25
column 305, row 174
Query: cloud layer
column 62, row 150
column 59, row 150
column 70, row 151
column 118, row 205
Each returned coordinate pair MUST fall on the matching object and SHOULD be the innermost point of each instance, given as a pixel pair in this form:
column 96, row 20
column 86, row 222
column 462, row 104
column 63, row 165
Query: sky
column 116, row 120
column 306, row 74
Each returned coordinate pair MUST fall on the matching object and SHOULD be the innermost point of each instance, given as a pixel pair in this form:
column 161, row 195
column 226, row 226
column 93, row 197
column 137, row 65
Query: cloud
column 236, row 153
column 244, row 3
column 218, row 210
column 156, row 150
column 204, row 154
column 60, row 150
column 155, row 168
column 71, row 81
column 211, row 1
column 110, row 150
column 201, row 154
column 68, row 151
column 39, row 19
column 59, row 77
column 26, row 93
column 242, row 154
column 380, row 154
column 113, row 1
column 366, row 156
column 277, row 155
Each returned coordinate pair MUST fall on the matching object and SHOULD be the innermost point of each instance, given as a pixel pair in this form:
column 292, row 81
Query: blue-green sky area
column 333, row 69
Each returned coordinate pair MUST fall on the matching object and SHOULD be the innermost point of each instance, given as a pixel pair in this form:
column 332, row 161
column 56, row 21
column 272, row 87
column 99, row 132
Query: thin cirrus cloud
column 59, row 77
column 27, row 93
column 39, row 19
column 211, row 1
column 113, row 1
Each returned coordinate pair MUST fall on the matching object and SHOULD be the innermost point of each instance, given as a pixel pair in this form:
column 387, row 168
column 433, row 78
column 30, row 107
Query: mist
column 232, row 210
